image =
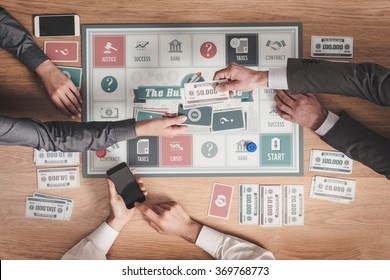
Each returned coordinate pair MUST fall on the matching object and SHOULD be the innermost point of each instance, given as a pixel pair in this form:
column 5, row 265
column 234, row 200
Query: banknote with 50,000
column 53, row 178
column 271, row 205
column 203, row 93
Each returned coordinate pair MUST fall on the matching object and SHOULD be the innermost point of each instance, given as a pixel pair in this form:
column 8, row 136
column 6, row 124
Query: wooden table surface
column 360, row 230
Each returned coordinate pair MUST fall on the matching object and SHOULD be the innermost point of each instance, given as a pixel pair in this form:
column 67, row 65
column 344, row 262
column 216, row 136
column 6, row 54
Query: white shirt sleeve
column 277, row 78
column 95, row 246
column 329, row 122
column 226, row 247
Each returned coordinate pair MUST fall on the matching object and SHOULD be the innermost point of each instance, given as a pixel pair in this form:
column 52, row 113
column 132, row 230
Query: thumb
column 111, row 188
column 228, row 86
column 176, row 120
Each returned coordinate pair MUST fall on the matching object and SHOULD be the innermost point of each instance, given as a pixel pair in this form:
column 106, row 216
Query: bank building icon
column 175, row 46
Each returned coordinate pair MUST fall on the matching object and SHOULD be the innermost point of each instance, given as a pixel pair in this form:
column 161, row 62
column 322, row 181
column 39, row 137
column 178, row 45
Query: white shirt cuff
column 329, row 122
column 209, row 240
column 103, row 237
column 277, row 78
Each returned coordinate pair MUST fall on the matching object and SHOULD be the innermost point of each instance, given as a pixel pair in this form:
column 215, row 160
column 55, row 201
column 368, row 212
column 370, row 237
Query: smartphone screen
column 126, row 184
column 61, row 25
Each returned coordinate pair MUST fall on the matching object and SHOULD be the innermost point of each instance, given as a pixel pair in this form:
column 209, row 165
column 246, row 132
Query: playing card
column 62, row 51
column 228, row 120
column 201, row 116
column 73, row 73
column 220, row 201
column 148, row 115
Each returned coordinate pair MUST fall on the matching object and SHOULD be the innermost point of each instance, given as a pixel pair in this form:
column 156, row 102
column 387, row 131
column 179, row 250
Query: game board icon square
column 109, row 51
column 176, row 151
column 201, row 116
column 242, row 49
column 143, row 152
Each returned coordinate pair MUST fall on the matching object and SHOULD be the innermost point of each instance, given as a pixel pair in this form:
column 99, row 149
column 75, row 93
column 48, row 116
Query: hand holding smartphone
column 126, row 184
column 56, row 25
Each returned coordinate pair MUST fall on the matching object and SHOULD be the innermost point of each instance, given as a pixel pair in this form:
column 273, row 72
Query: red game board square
column 176, row 151
column 109, row 51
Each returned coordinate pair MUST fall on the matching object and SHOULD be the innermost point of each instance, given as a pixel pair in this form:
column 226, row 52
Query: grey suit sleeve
column 64, row 136
column 360, row 143
column 15, row 39
column 367, row 80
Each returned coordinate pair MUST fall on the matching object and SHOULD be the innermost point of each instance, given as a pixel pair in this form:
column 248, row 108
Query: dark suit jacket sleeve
column 367, row 80
column 15, row 39
column 360, row 143
column 64, row 136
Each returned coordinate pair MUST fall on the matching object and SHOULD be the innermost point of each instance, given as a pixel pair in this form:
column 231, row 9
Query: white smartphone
column 56, row 25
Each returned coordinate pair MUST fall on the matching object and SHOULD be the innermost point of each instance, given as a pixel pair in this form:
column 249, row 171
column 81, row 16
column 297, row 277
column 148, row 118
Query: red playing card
column 220, row 201
column 62, row 51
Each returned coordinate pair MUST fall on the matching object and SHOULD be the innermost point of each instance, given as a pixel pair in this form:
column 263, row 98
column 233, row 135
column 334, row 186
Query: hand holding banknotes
column 120, row 215
column 167, row 127
column 240, row 78
column 171, row 219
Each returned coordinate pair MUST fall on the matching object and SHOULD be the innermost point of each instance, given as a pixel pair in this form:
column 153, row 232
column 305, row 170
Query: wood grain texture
column 332, row 231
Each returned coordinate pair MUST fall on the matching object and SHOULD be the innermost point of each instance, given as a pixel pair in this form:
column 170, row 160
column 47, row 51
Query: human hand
column 240, row 78
column 119, row 214
column 166, row 127
column 62, row 92
column 171, row 219
column 303, row 109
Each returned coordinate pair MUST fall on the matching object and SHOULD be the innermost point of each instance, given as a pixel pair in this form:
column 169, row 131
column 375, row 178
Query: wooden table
column 332, row 231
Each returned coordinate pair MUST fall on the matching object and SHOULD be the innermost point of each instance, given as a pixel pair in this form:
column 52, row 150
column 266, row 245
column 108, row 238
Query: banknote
column 249, row 204
column 333, row 189
column 203, row 93
column 270, row 206
column 41, row 157
column 42, row 208
column 330, row 161
column 294, row 205
column 69, row 202
column 53, row 178
column 330, row 46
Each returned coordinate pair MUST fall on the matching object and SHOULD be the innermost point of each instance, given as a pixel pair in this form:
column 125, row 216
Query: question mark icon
column 209, row 149
column 109, row 84
column 109, row 80
column 208, row 49
column 210, row 146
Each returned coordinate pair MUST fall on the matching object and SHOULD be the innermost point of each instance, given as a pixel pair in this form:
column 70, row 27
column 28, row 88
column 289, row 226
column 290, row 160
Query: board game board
column 138, row 71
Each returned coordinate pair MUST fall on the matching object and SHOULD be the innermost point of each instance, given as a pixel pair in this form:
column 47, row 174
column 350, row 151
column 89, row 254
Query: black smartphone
column 56, row 25
column 125, row 184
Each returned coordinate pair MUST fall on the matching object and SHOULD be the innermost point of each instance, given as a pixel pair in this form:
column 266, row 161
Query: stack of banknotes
column 50, row 207
column 262, row 205
column 58, row 177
